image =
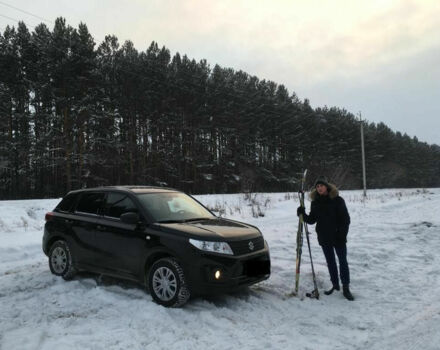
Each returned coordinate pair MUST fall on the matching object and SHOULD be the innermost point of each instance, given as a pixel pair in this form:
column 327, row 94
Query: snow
column 393, row 253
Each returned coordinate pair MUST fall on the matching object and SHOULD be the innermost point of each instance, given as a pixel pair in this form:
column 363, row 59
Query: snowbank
column 393, row 248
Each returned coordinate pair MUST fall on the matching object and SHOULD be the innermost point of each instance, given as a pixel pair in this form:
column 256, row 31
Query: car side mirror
column 130, row 218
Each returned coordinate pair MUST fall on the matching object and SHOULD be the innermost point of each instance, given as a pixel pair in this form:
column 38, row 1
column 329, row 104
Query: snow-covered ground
column 394, row 257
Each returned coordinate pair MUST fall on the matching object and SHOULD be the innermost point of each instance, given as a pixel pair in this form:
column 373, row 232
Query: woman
column 329, row 212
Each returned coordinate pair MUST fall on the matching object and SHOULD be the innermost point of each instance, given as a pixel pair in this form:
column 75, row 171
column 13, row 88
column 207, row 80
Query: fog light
column 217, row 274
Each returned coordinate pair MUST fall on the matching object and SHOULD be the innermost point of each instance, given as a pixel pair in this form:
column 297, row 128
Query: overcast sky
column 380, row 58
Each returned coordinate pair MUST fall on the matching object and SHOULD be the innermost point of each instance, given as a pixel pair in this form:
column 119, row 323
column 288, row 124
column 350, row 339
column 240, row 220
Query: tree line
column 75, row 115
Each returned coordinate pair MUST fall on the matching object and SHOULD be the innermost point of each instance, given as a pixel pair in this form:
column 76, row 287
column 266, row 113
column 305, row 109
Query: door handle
column 100, row 228
column 68, row 221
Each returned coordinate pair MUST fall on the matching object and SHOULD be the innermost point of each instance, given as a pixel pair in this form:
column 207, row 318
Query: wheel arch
column 152, row 258
column 51, row 241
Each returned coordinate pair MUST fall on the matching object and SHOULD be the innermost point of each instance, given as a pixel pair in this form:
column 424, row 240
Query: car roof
column 132, row 189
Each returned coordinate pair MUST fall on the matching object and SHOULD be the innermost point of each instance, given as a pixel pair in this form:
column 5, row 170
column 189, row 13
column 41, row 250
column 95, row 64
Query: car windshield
column 173, row 207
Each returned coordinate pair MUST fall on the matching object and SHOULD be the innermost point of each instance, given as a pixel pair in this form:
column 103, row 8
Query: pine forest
column 77, row 114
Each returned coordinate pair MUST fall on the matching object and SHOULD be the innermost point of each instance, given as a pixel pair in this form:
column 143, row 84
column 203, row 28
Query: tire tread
column 70, row 271
column 183, row 294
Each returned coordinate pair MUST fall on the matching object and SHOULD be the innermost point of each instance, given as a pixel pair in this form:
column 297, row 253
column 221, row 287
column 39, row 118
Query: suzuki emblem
column 251, row 245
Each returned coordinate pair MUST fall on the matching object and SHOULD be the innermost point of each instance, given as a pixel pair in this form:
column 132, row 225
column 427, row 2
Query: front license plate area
column 253, row 268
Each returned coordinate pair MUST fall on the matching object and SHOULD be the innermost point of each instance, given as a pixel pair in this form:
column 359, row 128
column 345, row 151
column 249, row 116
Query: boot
column 330, row 291
column 347, row 293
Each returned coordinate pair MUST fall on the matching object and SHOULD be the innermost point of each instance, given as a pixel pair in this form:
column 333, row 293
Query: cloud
column 303, row 42
column 402, row 94
column 363, row 55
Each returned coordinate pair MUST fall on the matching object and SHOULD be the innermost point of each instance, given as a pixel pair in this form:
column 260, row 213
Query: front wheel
column 60, row 260
column 167, row 284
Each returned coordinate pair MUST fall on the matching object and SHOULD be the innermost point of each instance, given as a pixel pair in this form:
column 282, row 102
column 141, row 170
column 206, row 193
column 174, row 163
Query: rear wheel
column 167, row 284
column 60, row 260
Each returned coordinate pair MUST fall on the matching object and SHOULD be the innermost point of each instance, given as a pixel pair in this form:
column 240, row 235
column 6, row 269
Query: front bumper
column 235, row 271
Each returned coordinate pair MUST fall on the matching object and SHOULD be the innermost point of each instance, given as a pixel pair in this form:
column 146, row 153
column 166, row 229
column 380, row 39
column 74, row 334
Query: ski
column 302, row 227
column 315, row 292
column 299, row 241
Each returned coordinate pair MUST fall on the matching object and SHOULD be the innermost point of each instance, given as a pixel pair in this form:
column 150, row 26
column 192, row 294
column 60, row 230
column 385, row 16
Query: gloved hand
column 300, row 210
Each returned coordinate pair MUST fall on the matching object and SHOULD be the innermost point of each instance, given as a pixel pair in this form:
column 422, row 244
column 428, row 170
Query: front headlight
column 215, row 247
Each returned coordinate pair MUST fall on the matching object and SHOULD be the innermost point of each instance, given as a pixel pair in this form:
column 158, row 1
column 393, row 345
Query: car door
column 122, row 247
column 83, row 227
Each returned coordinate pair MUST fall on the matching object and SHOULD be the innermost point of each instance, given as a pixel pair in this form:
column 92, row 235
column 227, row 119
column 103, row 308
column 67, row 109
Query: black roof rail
column 125, row 187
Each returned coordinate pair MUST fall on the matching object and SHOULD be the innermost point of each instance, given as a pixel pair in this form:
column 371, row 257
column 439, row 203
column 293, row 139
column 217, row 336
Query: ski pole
column 315, row 292
column 299, row 241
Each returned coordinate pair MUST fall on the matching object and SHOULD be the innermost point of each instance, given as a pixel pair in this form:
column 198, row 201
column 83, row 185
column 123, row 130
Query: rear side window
column 66, row 205
column 118, row 204
column 90, row 202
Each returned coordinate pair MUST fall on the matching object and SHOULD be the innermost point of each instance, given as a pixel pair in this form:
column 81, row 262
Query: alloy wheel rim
column 164, row 283
column 59, row 260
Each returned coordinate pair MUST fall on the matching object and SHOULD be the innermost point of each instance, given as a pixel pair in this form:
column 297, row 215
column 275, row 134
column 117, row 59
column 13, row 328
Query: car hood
column 212, row 229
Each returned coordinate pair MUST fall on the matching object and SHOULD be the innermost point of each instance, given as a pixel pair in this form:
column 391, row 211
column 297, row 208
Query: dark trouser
column 341, row 251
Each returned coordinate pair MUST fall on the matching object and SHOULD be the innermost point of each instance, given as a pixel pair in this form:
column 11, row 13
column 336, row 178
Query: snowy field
column 394, row 257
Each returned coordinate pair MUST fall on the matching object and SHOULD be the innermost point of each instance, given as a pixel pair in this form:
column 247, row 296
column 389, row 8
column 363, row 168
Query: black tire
column 60, row 260
column 166, row 282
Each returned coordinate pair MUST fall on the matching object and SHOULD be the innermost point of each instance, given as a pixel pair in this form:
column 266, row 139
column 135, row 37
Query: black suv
column 160, row 237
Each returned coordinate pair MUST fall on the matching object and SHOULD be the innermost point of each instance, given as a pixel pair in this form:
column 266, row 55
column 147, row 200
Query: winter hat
column 321, row 180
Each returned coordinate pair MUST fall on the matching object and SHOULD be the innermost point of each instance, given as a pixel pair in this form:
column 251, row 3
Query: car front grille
column 244, row 247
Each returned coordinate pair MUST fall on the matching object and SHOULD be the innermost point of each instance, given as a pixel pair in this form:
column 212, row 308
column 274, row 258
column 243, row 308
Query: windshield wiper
column 181, row 221
column 170, row 221
column 195, row 219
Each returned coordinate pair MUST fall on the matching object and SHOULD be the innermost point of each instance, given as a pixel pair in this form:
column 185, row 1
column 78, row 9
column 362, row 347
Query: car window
column 177, row 204
column 67, row 203
column 173, row 206
column 118, row 204
column 90, row 202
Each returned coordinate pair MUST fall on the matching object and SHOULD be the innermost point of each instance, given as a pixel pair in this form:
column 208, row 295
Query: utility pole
column 363, row 156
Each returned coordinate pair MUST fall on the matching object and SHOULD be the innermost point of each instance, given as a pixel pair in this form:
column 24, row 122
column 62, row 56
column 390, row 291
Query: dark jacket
column 331, row 217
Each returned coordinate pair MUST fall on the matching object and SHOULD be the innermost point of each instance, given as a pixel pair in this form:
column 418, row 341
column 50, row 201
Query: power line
column 17, row 20
column 26, row 12
column 12, row 19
